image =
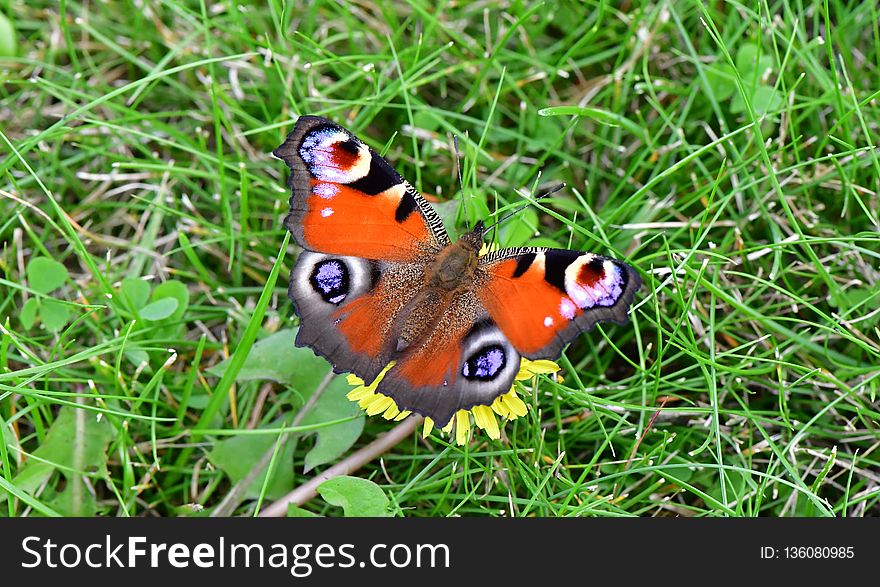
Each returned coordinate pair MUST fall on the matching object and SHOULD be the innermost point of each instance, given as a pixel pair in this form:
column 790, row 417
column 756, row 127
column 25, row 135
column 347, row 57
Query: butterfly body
column 379, row 281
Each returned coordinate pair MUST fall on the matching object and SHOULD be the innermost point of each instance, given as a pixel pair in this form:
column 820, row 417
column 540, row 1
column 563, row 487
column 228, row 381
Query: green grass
column 725, row 150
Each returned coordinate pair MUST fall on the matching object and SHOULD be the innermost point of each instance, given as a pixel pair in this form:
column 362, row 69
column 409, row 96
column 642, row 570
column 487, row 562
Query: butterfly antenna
column 520, row 208
column 458, row 167
column 494, row 227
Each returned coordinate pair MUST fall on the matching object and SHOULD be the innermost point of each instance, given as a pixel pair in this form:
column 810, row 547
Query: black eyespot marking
column 406, row 207
column 555, row 264
column 523, row 263
column 350, row 146
column 380, row 177
column 485, row 364
column 330, row 280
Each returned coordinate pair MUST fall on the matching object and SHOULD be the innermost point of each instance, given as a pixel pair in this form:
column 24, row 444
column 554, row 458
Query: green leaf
column 543, row 241
column 276, row 358
column 426, row 120
column 864, row 300
column 159, row 310
column 54, row 314
column 74, row 500
column 737, row 104
column 294, row 511
column 359, row 498
column 76, row 440
column 236, row 456
column 749, row 65
column 45, row 274
column 722, row 80
column 735, row 482
column 8, row 37
column 136, row 292
column 856, row 296
column 28, row 314
column 30, row 477
column 765, row 99
column 332, row 441
column 176, row 290
column 475, row 207
column 137, row 357
column 10, row 437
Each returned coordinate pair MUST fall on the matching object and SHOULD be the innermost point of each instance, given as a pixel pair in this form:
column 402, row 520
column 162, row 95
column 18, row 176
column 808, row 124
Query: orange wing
column 542, row 298
column 347, row 200
column 467, row 361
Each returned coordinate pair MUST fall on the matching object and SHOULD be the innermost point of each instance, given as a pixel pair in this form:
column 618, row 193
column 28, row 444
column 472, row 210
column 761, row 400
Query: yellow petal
column 462, row 427
column 478, row 417
column 529, row 369
column 542, row 367
column 379, row 405
column 448, row 428
column 392, row 412
column 426, row 429
column 359, row 393
column 487, row 248
column 516, row 406
column 499, row 408
column 368, row 400
column 381, row 375
column 523, row 375
column 402, row 415
column 365, row 395
column 375, row 383
column 485, row 419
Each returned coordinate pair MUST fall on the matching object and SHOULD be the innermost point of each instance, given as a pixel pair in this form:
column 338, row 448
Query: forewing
column 347, row 200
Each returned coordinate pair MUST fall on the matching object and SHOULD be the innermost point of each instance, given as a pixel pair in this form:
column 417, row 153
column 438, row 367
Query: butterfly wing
column 347, row 200
column 368, row 236
column 349, row 307
column 466, row 362
column 542, row 298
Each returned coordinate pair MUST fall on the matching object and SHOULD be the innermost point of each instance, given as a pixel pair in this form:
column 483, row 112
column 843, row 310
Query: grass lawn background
column 725, row 150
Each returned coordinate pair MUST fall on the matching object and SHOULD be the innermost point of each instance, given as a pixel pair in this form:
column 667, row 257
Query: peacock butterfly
column 379, row 280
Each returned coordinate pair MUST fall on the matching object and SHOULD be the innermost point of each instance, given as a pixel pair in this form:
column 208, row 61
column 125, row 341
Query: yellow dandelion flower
column 508, row 406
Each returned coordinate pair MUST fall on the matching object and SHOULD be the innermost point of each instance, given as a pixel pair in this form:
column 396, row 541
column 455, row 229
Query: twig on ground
column 352, row 463
column 237, row 494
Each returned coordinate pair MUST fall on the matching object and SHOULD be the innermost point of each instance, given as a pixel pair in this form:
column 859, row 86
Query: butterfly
column 380, row 281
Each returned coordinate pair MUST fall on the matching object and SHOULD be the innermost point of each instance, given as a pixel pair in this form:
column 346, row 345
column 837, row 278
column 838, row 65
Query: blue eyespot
column 330, row 280
column 485, row 364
